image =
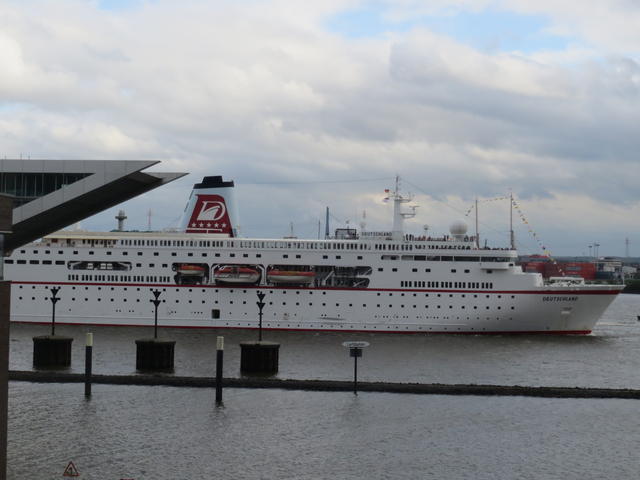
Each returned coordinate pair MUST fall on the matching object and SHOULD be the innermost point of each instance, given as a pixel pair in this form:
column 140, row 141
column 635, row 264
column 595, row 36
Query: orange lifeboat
column 187, row 270
column 290, row 276
column 232, row 274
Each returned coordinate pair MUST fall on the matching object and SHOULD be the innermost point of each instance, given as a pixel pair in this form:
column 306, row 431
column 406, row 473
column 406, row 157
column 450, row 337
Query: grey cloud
column 273, row 102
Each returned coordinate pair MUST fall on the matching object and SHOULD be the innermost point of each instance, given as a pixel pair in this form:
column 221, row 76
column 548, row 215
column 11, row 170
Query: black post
column 355, row 351
column 54, row 299
column 219, row 359
column 156, row 302
column 260, row 304
column 87, row 365
column 355, row 375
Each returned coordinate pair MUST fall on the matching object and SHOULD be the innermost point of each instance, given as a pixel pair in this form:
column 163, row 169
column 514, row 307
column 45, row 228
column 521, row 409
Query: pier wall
column 330, row 385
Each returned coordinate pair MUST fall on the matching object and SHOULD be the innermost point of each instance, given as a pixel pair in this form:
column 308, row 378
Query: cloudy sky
column 314, row 104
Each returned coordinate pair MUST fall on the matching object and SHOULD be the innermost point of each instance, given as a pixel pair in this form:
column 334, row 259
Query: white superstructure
column 374, row 281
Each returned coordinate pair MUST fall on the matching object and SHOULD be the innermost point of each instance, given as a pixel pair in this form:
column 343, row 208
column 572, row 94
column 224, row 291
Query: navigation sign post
column 355, row 351
column 54, row 299
column 260, row 304
column 156, row 302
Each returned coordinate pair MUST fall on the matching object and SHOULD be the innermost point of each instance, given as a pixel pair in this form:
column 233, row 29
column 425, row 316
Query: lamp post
column 151, row 353
column 54, row 299
column 260, row 304
column 259, row 357
column 156, row 301
column 355, row 351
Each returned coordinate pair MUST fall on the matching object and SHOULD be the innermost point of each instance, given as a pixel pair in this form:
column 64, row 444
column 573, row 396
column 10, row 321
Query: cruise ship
column 209, row 277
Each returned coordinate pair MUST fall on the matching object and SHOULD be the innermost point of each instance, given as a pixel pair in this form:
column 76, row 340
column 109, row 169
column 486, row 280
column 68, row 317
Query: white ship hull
column 511, row 302
column 531, row 312
column 383, row 282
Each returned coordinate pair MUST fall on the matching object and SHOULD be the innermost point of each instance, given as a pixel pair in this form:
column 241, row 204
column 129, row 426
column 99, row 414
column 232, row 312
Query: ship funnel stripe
column 211, row 208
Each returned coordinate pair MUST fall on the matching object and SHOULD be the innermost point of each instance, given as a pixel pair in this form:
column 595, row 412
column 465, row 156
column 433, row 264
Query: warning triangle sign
column 71, row 471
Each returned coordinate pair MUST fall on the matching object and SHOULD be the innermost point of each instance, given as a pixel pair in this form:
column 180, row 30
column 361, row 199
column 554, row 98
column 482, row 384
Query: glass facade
column 29, row 186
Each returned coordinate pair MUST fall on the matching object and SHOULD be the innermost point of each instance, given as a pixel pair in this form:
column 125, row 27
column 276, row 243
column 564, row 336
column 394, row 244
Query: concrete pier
column 330, row 385
column 154, row 354
column 259, row 357
column 51, row 351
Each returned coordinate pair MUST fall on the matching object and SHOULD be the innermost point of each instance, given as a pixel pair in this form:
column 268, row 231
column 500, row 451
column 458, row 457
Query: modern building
column 52, row 194
column 42, row 196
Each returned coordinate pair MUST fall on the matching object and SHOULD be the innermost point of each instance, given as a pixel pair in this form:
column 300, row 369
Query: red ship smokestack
column 211, row 208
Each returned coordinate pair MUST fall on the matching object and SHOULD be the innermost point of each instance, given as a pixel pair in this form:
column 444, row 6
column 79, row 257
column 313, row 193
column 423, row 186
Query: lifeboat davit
column 191, row 270
column 290, row 276
column 236, row 275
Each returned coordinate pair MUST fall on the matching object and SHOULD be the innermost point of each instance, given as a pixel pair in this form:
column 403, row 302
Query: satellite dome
column 458, row 228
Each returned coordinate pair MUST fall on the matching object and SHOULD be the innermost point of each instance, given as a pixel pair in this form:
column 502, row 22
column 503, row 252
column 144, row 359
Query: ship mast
column 477, row 232
column 326, row 224
column 398, row 214
column 511, row 235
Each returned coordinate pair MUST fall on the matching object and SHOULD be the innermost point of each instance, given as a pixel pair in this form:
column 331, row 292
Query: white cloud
column 261, row 91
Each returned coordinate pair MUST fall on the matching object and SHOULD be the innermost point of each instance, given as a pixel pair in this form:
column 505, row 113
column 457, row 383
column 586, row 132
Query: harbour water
column 163, row 432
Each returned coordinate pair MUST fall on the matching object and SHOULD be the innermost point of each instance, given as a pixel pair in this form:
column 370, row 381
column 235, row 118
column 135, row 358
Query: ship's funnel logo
column 209, row 215
column 211, row 211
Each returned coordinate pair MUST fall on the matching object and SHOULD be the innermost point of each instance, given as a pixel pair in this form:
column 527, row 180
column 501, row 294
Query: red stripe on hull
column 404, row 332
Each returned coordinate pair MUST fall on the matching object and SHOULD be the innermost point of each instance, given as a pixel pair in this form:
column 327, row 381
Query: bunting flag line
column 524, row 220
column 486, row 200
column 542, row 246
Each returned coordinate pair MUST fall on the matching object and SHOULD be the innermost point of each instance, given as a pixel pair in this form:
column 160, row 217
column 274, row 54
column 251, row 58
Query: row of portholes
column 363, row 327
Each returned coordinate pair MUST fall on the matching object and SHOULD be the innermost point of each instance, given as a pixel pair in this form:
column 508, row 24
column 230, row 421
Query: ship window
column 427, row 270
column 10, row 261
column 453, row 270
column 215, row 314
column 21, row 262
column 394, row 269
column 46, row 262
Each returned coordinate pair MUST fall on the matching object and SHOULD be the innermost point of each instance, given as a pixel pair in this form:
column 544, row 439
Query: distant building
column 609, row 268
column 549, row 268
